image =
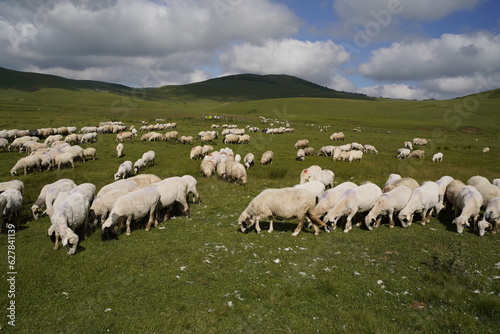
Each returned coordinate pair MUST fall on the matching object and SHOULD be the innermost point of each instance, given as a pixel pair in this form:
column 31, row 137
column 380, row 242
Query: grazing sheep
column 11, row 203
column 267, row 158
column 221, row 170
column 487, row 190
column 417, row 154
column 326, row 150
column 124, row 170
column 244, row 139
column 285, row 203
column 207, row 167
column 405, row 181
column 392, row 178
column 437, row 157
column 207, row 137
column 149, row 157
column 236, row 172
column 316, row 187
column 496, row 182
column 196, row 153
column 76, row 150
column 53, row 192
column 89, row 152
column 36, row 209
column 145, row 180
column 451, row 193
column 325, row 176
column 300, row 154
column 469, row 201
column 139, row 164
column 69, row 214
column 190, row 184
column 482, row 226
column 388, row 204
column 30, row 162
column 87, row 189
column 301, row 143
column 186, row 139
column 132, row 207
column 337, row 136
column 492, row 214
column 443, row 183
column 486, row 150
column 4, row 143
column 124, row 184
column 206, row 148
column 63, row 159
column 119, row 150
column 403, row 153
column 359, row 199
column 102, row 205
column 355, row 156
column 171, row 192
column 248, row 160
column 423, row 199
column 305, row 174
column 330, row 198
column 13, row 184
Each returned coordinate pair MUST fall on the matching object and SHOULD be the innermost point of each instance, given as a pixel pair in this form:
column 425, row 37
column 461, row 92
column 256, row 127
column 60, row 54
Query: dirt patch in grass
column 470, row 129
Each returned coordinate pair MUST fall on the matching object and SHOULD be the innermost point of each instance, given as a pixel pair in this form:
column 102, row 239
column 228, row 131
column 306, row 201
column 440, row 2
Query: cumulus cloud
column 315, row 61
column 397, row 91
column 76, row 36
column 451, row 64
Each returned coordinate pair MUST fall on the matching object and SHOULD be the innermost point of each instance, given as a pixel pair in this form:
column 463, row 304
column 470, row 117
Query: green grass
column 198, row 274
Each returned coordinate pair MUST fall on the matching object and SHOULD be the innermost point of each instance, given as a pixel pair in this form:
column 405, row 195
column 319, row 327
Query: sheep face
column 108, row 233
column 405, row 219
column 36, row 211
column 245, row 222
column 71, row 243
column 461, row 222
column 483, row 225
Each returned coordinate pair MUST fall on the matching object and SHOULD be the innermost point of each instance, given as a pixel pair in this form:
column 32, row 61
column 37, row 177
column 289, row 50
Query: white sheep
column 305, row 174
column 330, row 198
column 196, row 153
column 144, row 180
column 492, row 214
column 171, row 192
column 301, row 143
column 102, row 205
column 11, row 203
column 36, row 208
column 30, row 162
column 486, row 150
column 76, row 150
column 496, row 182
column 325, row 176
column 63, row 159
column 52, row 193
column 132, row 207
column 469, row 201
column 124, row 170
column 443, row 183
column 487, row 190
column 285, row 203
column 4, row 143
column 359, row 199
column 403, row 153
column 316, row 187
column 89, row 152
column 451, row 193
column 124, row 184
column 12, row 184
column 149, row 157
column 69, row 214
column 236, row 172
column 190, row 183
column 388, row 204
column 392, row 178
column 119, row 150
column 419, row 154
column 87, row 189
column 437, row 157
column 207, row 166
column 326, row 150
column 249, row 160
column 300, row 154
column 355, row 156
column 423, row 199
column 404, row 181
column 267, row 158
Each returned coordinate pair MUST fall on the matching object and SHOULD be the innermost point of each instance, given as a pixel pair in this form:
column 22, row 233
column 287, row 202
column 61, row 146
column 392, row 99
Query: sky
column 408, row 49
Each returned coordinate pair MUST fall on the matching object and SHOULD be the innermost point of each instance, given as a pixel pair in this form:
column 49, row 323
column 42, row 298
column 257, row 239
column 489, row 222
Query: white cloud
column 397, row 91
column 315, row 61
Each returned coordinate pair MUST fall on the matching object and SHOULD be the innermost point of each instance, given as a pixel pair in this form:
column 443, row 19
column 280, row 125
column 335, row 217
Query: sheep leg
column 317, row 222
column 151, row 220
column 129, row 220
column 299, row 227
column 271, row 226
column 348, row 223
column 391, row 219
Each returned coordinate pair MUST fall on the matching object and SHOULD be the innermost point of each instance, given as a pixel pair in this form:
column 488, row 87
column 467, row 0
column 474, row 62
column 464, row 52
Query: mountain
column 28, row 81
column 233, row 88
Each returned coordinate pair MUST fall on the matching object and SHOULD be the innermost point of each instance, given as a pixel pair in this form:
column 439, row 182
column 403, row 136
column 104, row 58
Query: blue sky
column 393, row 48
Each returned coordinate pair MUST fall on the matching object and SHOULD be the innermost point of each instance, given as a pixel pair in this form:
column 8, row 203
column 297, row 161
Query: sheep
column 423, row 199
column 62, row 159
column 392, row 178
column 4, row 143
column 71, row 139
column 326, row 150
column 469, row 201
column 492, row 214
column 119, row 150
column 359, row 199
column 388, row 204
column 139, row 164
column 102, row 205
column 337, row 136
column 186, row 139
column 13, row 184
column 496, row 182
column 190, row 183
column 132, row 207
column 300, row 154
column 285, row 203
column 417, row 154
column 207, row 137
column 370, row 148
column 316, row 187
column 236, row 172
column 87, row 189
column 330, row 198
column 170, row 135
column 124, row 184
column 267, row 158
column 36, row 208
column 144, row 180
column 482, row 226
column 301, row 143
column 69, row 214
column 305, row 174
column 207, row 167
column 52, row 193
column 124, row 170
column 325, row 176
column 11, row 203
column 408, row 145
column 196, row 153
column 437, row 157
column 76, row 150
column 248, row 160
column 403, row 153
column 244, row 139
column 487, row 190
column 443, row 183
column 149, row 157
column 221, row 170
column 171, row 192
column 90, row 152
column 355, row 156
column 451, row 193
column 486, row 150
column 26, row 163
column 405, row 181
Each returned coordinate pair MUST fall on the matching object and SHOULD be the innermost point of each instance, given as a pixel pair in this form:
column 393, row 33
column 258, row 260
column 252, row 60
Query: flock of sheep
column 401, row 198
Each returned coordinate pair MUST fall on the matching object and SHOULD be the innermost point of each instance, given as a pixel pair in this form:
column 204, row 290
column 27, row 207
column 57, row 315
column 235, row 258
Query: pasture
column 199, row 274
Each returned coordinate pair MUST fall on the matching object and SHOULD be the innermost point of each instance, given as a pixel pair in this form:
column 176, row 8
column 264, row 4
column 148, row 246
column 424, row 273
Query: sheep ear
column 454, row 221
column 64, row 242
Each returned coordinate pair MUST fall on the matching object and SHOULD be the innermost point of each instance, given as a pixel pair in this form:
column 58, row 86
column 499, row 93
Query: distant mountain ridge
column 232, row 88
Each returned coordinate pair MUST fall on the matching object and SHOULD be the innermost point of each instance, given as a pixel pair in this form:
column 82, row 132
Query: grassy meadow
column 199, row 274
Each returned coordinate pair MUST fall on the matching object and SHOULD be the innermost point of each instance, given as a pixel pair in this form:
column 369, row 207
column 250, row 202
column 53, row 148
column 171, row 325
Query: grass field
column 198, row 274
